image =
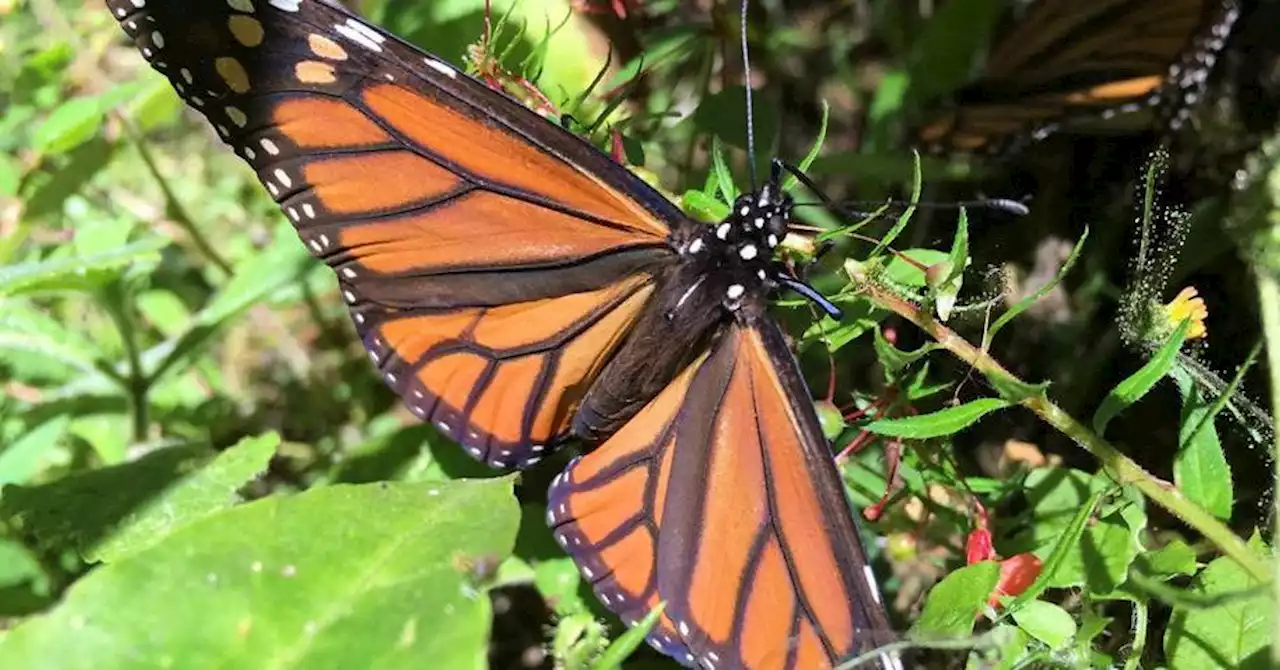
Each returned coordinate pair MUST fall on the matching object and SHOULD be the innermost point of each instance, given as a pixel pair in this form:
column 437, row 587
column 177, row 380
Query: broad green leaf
column 954, row 603
column 1133, row 388
column 1046, row 622
column 81, row 511
column 25, row 457
column 1175, row 558
column 943, row 422
column 68, row 274
column 364, row 576
column 905, row 271
column 1234, row 634
column 1200, row 468
column 210, row 489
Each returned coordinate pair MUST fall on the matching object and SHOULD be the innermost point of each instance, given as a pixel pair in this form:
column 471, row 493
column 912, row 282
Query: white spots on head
column 237, row 116
column 695, row 246
column 759, row 222
column 748, row 252
column 441, row 67
column 245, row 6
column 761, row 274
column 745, row 211
column 735, row 291
column 326, row 48
column 360, row 34
column 269, row 146
column 284, row 178
column 773, row 240
column 285, row 5
column 722, row 231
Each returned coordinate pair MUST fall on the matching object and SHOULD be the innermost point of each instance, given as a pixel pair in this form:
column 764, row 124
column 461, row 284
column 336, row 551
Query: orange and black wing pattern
column 1077, row 64
column 492, row 261
column 720, row 498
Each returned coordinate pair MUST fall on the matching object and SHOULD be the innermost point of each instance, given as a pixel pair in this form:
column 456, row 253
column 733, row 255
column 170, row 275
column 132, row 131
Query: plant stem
column 1269, row 308
column 1119, row 467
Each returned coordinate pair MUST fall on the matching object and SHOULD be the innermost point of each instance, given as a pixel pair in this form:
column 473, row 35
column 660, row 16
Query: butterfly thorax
column 735, row 258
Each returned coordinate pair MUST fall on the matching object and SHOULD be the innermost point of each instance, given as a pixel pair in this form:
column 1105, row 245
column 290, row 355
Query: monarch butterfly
column 518, row 288
column 1075, row 63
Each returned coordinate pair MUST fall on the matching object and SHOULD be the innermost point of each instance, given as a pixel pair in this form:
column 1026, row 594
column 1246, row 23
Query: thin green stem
column 1119, row 467
column 136, row 384
column 173, row 205
column 1269, row 306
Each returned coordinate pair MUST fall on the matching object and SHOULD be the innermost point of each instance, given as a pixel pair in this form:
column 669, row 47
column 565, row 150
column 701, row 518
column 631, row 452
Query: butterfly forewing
column 492, row 261
column 720, row 499
column 1081, row 63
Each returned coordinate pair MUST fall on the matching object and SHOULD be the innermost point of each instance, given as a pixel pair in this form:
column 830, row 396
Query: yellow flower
column 1188, row 305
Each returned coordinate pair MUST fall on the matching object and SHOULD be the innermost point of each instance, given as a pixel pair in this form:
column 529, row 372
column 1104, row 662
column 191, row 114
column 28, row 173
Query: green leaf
column 1022, row 305
column 894, row 359
column 857, row 320
column 210, row 489
column 1175, row 558
column 954, row 603
column 25, row 457
column 363, row 576
column 902, row 269
column 724, row 178
column 943, row 55
column 943, row 422
column 1137, row 385
column 1200, row 468
column 1046, row 622
column 948, row 287
column 71, row 273
column 1066, row 543
column 1235, row 634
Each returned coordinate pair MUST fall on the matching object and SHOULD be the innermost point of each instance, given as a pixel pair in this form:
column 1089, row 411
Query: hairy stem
column 1119, row 467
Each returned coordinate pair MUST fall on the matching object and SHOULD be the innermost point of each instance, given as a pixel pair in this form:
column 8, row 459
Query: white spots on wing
column 360, row 34
column 284, row 178
column 196, row 101
column 237, row 116
column 349, row 296
column 315, row 246
column 186, row 75
column 157, row 39
column 444, row 427
column 308, row 210
column 275, row 190
column 391, row 378
column 684, row 629
column 326, row 48
column 870, row 576
column 588, row 572
column 324, row 240
column 250, row 154
column 348, row 273
column 285, row 5
column 293, row 213
column 441, row 67
column 536, row 448
column 139, row 3
column 735, row 291
column 269, row 146
column 475, row 452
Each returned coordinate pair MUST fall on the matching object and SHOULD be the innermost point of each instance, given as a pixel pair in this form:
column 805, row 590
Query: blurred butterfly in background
column 1080, row 64
column 519, row 289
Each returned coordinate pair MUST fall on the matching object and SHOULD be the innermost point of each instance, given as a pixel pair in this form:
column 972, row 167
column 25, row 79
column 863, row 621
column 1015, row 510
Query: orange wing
column 491, row 260
column 721, row 499
column 1080, row 62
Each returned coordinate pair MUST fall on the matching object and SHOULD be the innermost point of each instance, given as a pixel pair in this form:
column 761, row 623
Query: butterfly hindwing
column 720, row 499
column 491, row 260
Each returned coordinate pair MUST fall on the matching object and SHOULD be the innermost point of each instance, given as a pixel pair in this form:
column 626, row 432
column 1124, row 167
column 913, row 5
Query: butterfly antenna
column 746, row 73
